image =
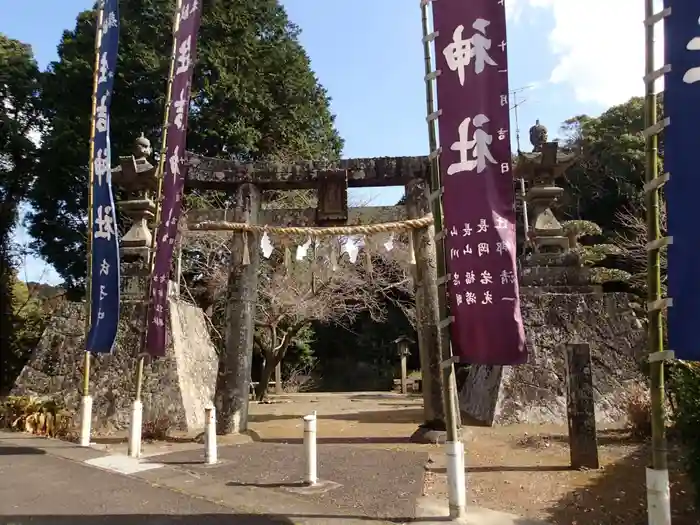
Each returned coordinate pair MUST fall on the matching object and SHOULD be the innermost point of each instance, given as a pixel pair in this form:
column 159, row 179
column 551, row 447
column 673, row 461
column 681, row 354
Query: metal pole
column 455, row 447
column 658, row 500
column 310, row 470
column 86, row 405
column 523, row 202
column 210, row 452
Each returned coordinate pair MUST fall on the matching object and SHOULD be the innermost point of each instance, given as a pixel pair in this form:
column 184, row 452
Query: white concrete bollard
column 135, row 430
column 658, row 497
column 310, row 472
column 85, row 421
column 456, row 482
column 210, row 452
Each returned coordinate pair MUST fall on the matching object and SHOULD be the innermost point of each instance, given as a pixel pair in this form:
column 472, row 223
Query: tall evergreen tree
column 19, row 117
column 254, row 96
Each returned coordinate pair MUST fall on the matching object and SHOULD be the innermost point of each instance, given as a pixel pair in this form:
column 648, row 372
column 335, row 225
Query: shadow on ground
column 618, row 496
column 146, row 519
column 399, row 416
column 119, row 440
column 20, row 451
column 505, row 468
column 389, row 395
column 615, row 436
column 387, row 440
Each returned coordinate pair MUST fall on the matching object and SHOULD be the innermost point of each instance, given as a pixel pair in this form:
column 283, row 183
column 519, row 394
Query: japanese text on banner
column 682, row 107
column 104, row 313
column 173, row 176
column 474, row 130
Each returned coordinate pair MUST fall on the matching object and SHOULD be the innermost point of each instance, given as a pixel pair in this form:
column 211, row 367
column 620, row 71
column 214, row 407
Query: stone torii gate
column 244, row 183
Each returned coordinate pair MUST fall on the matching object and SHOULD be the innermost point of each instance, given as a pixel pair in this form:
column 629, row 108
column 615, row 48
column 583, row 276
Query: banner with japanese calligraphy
column 681, row 141
column 173, row 175
column 478, row 199
column 104, row 310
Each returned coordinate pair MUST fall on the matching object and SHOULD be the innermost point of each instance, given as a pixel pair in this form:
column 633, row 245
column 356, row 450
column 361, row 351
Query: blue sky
column 579, row 57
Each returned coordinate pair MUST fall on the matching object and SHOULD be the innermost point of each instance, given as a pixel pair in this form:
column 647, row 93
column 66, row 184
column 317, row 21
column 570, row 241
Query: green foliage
column 254, row 97
column 300, row 355
column 579, row 228
column 609, row 275
column 19, row 117
column 29, row 316
column 363, row 357
column 684, row 390
column 609, row 175
column 596, row 253
column 605, row 181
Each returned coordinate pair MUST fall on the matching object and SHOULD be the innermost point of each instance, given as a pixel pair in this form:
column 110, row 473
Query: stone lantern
column 552, row 265
column 136, row 176
column 402, row 345
column 540, row 169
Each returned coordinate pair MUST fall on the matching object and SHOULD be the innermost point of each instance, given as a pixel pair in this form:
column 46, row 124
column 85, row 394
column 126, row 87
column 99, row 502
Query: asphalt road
column 40, row 488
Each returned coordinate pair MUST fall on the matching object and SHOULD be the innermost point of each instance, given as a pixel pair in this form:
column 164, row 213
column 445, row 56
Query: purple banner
column 173, row 176
column 474, row 129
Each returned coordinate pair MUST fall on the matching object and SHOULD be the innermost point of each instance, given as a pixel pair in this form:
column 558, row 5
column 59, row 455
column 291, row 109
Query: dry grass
column 639, row 411
column 43, row 417
column 157, row 429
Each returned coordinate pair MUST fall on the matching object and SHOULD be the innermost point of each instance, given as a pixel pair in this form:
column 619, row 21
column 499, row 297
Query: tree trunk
column 268, row 369
column 233, row 380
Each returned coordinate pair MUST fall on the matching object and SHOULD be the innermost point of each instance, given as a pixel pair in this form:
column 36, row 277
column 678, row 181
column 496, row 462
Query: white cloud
column 599, row 48
column 513, row 9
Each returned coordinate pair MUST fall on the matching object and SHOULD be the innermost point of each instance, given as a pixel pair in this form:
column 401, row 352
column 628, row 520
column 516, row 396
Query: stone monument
column 175, row 388
column 560, row 304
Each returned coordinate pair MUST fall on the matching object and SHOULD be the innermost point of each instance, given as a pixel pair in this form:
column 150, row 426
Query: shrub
column 684, row 390
column 639, row 411
column 156, row 429
column 44, row 417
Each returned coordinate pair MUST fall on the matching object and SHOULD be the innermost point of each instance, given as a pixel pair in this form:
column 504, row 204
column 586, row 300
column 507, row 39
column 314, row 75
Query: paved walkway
column 39, row 487
column 50, row 482
column 359, row 481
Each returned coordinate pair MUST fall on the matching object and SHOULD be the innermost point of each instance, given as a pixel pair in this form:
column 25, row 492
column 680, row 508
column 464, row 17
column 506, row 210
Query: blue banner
column 104, row 318
column 681, row 143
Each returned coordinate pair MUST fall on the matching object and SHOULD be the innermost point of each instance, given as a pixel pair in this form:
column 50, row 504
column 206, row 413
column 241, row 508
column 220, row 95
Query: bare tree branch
column 633, row 242
column 314, row 289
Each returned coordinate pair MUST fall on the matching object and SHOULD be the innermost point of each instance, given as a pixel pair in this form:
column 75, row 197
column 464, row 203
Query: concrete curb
column 431, row 511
